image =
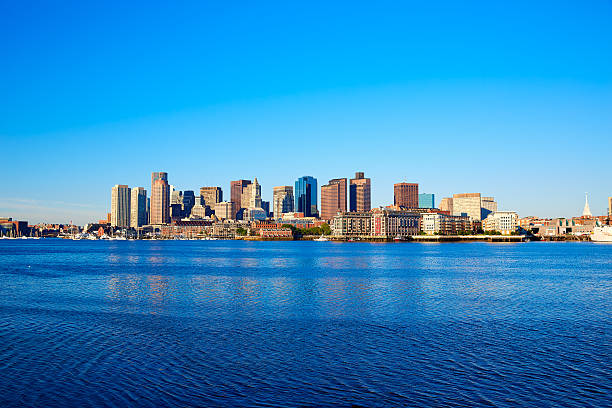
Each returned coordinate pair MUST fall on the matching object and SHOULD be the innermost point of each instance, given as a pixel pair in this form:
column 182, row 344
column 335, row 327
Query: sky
column 510, row 99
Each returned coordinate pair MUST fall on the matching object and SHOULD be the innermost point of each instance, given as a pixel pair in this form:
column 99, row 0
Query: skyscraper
column 211, row 195
column 160, row 199
column 446, row 204
column 251, row 195
column 120, row 206
column 333, row 198
column 188, row 202
column 406, row 195
column 360, row 195
column 467, row 204
column 282, row 200
column 236, row 189
column 138, row 207
column 306, row 196
column 609, row 206
column 427, row 201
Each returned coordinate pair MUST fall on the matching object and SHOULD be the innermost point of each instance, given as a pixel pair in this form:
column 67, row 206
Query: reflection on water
column 301, row 323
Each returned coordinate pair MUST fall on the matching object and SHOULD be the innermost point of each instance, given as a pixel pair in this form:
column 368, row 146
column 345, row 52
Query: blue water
column 231, row 323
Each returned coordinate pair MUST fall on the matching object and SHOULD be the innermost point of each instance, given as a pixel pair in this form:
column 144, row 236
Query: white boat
column 321, row 238
column 602, row 234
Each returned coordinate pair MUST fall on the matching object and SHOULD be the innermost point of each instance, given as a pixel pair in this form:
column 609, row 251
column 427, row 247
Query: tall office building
column 120, row 206
column 159, row 175
column 333, row 198
column 176, row 204
column 468, row 204
column 211, row 195
column 306, row 196
column 265, row 205
column 282, row 200
column 406, row 195
column 360, row 195
column 609, row 206
column 160, row 199
column 138, row 207
column 487, row 206
column 251, row 195
column 189, row 200
column 236, row 189
column 427, row 201
column 446, row 204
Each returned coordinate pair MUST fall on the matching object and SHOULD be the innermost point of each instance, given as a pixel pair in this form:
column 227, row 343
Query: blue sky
column 511, row 99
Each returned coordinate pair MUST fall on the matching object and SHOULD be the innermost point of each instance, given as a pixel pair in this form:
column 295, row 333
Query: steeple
column 587, row 211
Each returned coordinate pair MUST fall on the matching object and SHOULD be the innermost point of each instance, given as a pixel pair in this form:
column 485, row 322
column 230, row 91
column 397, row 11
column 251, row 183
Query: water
column 230, row 323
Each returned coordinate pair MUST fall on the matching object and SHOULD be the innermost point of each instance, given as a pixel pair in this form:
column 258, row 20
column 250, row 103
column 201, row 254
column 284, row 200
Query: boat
column 321, row 238
column 602, row 234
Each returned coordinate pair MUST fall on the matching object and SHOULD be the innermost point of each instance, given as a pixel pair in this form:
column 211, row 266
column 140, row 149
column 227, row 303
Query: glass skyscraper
column 427, row 201
column 306, row 196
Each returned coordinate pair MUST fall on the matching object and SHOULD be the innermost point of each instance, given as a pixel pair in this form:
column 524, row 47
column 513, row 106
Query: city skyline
column 264, row 193
column 517, row 100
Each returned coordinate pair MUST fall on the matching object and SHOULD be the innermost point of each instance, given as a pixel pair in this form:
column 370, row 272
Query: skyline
column 510, row 102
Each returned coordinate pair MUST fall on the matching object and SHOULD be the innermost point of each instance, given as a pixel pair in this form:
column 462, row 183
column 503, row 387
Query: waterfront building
column 391, row 224
column 138, row 207
column 383, row 223
column 445, row 224
column 427, row 201
column 505, row 222
column 446, row 205
column 609, row 206
column 353, row 224
column 406, row 195
column 120, row 206
column 275, row 233
column 211, row 195
column 160, row 199
column 237, row 188
column 225, row 210
column 564, row 226
column 185, row 228
column 333, row 198
column 282, row 200
column 306, row 196
column 360, row 193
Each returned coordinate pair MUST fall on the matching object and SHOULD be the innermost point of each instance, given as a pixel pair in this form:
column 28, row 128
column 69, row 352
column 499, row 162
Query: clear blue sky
column 511, row 99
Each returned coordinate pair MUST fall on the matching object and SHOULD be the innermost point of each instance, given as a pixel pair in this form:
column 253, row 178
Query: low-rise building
column 505, row 222
column 185, row 228
column 445, row 224
column 280, row 232
column 353, row 224
column 393, row 224
column 382, row 223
